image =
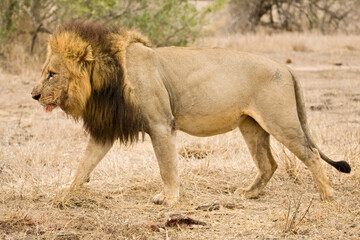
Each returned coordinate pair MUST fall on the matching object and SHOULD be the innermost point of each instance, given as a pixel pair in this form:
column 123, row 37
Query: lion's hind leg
column 287, row 130
column 258, row 142
column 298, row 144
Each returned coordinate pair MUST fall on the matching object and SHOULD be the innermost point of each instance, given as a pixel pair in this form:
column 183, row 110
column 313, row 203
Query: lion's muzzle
column 35, row 93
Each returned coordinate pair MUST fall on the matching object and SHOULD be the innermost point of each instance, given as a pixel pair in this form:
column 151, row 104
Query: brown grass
column 285, row 42
column 39, row 153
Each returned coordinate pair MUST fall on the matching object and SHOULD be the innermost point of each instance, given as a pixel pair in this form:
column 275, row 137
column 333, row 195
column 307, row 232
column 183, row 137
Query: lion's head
column 65, row 77
column 84, row 74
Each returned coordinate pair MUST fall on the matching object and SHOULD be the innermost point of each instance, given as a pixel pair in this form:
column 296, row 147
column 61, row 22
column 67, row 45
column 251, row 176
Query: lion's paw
column 164, row 200
column 70, row 196
column 247, row 193
column 67, row 190
column 327, row 194
column 64, row 189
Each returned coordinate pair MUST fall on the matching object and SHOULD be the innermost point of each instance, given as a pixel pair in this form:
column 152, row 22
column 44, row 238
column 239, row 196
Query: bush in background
column 165, row 22
column 327, row 16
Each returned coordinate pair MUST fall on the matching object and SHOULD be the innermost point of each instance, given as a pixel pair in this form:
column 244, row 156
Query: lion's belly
column 209, row 125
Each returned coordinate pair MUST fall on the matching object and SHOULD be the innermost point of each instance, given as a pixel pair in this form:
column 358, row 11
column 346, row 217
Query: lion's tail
column 341, row 166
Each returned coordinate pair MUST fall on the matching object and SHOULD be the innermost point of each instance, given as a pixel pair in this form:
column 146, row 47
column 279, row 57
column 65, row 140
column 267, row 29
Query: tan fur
column 121, row 86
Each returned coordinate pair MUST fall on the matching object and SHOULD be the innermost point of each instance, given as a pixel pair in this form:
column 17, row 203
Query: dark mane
column 111, row 112
column 108, row 117
column 93, row 32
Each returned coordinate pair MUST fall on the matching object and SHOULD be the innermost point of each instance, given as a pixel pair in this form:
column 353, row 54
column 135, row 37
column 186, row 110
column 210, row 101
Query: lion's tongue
column 49, row 108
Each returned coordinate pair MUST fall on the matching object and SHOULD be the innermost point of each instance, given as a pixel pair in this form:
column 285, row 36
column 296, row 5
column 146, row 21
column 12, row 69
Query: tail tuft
column 342, row 166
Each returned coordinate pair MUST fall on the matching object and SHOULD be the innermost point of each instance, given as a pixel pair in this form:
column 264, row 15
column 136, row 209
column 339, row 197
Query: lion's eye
column 51, row 74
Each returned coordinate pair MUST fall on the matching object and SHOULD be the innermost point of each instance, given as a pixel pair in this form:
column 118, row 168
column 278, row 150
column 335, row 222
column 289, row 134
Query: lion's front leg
column 164, row 144
column 95, row 151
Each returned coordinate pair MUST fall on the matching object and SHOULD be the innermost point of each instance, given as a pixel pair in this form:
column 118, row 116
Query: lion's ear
column 86, row 56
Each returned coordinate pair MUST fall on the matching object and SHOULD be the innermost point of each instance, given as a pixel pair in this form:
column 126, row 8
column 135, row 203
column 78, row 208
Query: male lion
column 120, row 86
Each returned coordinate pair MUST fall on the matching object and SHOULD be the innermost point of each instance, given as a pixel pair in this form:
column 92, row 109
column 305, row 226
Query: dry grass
column 285, row 42
column 39, row 153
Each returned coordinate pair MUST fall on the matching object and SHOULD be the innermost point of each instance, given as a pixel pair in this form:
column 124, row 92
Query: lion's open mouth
column 50, row 107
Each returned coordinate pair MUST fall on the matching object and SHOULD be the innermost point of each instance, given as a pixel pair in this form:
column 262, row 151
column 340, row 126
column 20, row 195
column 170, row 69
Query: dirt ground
column 39, row 154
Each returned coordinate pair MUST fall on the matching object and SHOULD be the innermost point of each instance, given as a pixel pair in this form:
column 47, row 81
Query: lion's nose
column 35, row 93
column 36, row 96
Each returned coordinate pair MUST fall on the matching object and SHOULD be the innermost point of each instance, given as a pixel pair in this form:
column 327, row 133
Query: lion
column 122, row 87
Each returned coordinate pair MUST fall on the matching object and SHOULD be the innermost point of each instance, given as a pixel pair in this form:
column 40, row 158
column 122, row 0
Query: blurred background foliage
column 326, row 16
column 165, row 22
column 173, row 22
